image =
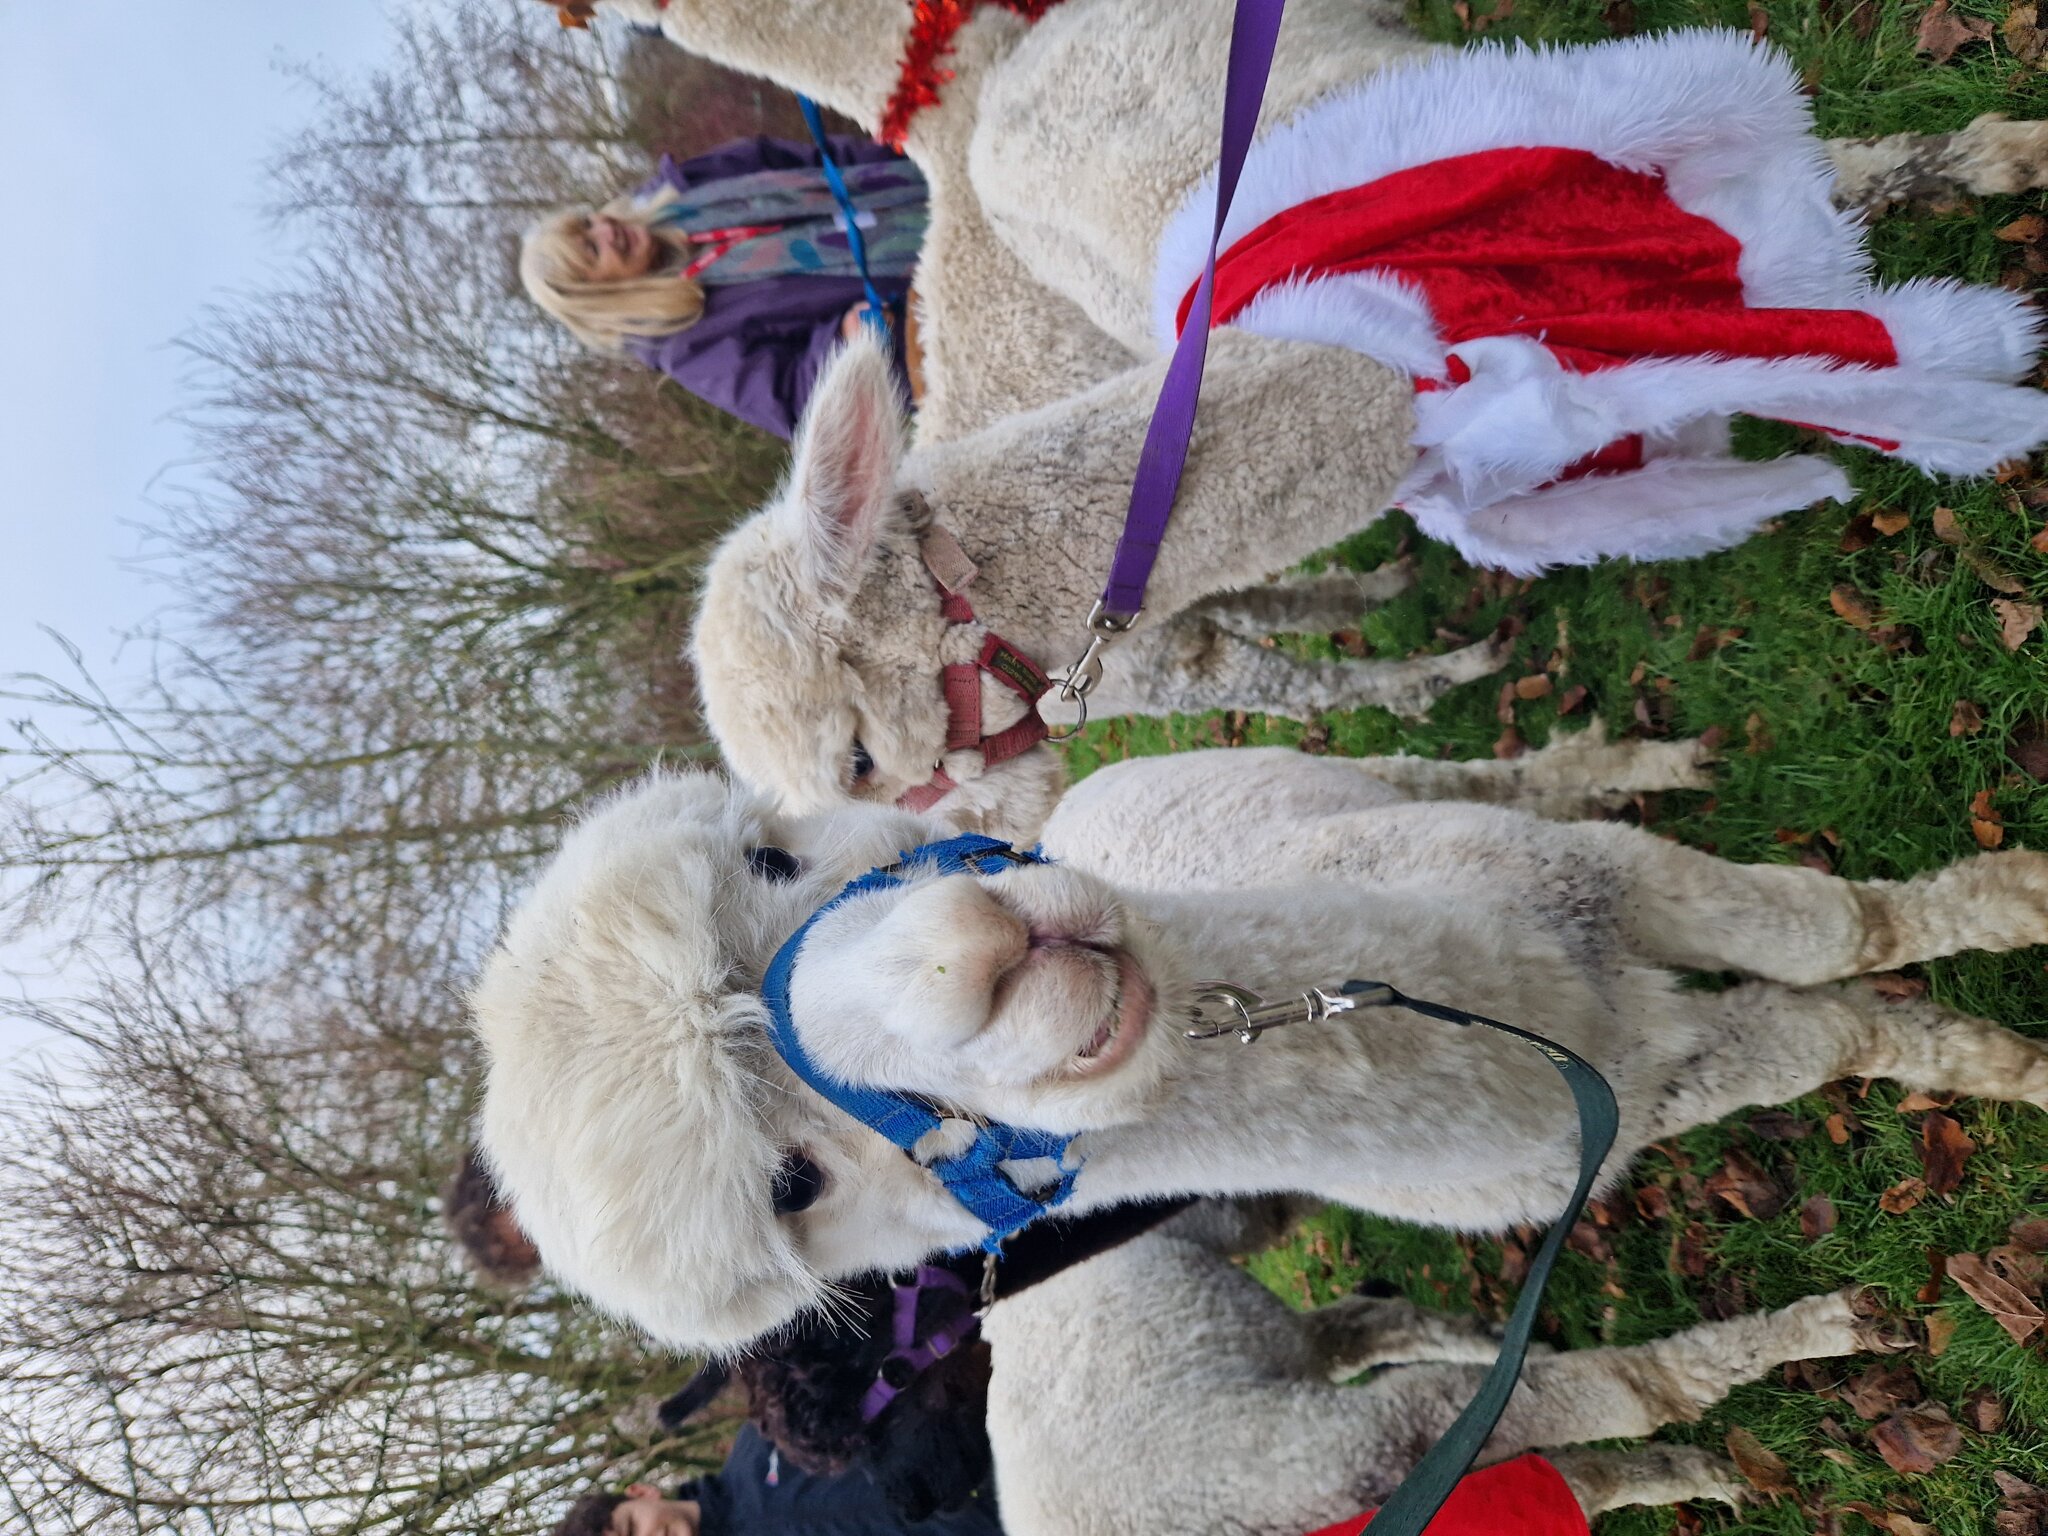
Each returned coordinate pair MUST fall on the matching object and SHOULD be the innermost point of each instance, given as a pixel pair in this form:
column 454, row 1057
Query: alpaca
column 1066, row 165
column 1105, row 1422
column 637, row 1115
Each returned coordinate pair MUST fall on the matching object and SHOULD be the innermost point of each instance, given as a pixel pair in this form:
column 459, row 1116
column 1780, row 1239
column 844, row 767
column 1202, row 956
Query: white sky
column 131, row 141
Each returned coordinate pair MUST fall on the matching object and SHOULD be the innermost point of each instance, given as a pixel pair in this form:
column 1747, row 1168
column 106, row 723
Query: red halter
column 952, row 572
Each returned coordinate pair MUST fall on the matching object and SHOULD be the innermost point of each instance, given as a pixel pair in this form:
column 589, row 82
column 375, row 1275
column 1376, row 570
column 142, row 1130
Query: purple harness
column 911, row 1355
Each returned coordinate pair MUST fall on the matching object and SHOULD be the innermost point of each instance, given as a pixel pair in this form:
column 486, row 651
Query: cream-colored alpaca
column 1157, row 1387
column 637, row 1115
column 1057, row 156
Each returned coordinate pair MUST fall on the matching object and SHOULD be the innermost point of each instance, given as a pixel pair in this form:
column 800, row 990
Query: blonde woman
column 731, row 272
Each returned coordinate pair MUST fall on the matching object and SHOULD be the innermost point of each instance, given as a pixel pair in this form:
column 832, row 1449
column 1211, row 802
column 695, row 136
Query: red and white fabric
column 1589, row 259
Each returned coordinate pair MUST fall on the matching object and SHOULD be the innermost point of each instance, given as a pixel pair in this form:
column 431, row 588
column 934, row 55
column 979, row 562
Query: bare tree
column 227, row 1303
column 435, row 575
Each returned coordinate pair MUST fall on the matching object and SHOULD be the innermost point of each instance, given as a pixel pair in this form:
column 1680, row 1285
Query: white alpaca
column 1157, row 1387
column 637, row 1115
column 1065, row 165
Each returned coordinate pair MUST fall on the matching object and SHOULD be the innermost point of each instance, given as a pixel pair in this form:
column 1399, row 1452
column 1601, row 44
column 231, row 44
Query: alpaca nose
column 949, row 943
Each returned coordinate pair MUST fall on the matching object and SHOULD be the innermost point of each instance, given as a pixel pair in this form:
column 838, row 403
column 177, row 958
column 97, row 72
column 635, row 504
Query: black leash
column 1224, row 1009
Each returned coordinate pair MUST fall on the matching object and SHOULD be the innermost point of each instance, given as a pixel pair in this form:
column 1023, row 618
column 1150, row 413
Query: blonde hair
column 553, row 261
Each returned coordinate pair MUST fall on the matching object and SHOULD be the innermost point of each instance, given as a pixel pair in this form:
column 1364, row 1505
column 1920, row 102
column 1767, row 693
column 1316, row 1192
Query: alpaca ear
column 842, row 476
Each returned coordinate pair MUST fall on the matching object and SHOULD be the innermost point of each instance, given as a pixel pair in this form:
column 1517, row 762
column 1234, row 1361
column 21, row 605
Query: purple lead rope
column 1165, row 454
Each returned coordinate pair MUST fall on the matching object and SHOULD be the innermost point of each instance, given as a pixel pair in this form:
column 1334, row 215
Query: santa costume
column 1589, row 259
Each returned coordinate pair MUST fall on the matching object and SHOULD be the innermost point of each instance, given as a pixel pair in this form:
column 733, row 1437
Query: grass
column 1838, row 748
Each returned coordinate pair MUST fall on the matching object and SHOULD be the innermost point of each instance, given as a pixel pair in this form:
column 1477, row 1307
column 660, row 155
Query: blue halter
column 974, row 1177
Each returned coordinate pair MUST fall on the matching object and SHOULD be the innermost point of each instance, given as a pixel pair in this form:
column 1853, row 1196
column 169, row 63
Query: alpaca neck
column 1378, row 1097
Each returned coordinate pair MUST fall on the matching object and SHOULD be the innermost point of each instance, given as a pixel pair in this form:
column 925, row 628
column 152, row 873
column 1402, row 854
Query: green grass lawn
column 1862, row 748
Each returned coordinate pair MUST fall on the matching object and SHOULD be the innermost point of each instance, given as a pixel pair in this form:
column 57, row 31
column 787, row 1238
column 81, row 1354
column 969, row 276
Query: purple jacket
column 757, row 349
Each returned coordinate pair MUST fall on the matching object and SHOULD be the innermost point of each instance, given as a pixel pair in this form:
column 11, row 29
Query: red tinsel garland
column 932, row 25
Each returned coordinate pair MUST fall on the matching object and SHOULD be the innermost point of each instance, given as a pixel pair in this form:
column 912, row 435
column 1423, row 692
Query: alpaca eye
column 863, row 765
column 796, row 1184
column 773, row 864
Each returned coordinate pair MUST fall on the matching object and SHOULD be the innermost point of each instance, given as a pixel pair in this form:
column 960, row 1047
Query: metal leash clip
column 1224, row 1008
column 1074, row 685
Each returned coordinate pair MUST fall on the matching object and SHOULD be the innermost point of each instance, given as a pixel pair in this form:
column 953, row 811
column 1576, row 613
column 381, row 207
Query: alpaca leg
column 1796, row 925
column 1307, row 605
column 1651, row 1474
column 1356, row 1333
column 1992, row 155
column 1680, row 907
column 1205, row 667
column 1767, row 1043
column 1574, row 777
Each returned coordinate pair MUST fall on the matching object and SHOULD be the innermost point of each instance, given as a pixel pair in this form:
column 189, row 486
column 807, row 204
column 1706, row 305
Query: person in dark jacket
column 760, row 1493
column 732, row 273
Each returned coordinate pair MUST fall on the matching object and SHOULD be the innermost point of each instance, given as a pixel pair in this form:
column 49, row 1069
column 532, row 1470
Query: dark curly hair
column 590, row 1515
column 927, row 1451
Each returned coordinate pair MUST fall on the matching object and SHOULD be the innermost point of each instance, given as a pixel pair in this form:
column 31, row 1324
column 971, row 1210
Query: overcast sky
column 131, row 143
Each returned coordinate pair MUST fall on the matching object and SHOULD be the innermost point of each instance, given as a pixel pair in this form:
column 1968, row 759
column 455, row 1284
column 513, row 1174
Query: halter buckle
column 1073, row 686
column 1224, row 1008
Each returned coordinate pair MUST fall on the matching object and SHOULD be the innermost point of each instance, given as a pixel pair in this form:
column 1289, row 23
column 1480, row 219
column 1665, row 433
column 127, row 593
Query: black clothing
column 758, row 1493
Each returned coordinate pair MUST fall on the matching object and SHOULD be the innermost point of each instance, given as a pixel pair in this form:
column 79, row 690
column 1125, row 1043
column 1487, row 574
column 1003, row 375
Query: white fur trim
column 1723, row 121
column 1669, row 509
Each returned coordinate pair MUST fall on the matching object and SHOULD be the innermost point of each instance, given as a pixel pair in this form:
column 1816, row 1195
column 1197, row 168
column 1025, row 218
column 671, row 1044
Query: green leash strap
column 1414, row 1504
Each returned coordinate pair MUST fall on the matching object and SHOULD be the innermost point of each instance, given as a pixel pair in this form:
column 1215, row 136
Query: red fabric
column 930, row 793
column 919, row 76
column 963, row 705
column 1596, row 262
column 1523, row 1497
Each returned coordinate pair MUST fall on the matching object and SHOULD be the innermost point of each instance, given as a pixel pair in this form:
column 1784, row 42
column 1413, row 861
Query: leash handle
column 877, row 315
column 1164, row 457
column 1414, row 1504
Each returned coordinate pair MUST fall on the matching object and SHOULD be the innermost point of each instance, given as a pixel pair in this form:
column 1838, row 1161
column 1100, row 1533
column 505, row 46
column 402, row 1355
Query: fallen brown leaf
column 1760, row 740
column 1984, row 1411
column 1944, row 1148
column 1764, row 1471
column 1653, row 1202
column 2018, row 1267
column 1881, row 1390
column 2008, row 1305
column 1966, row 719
column 2039, row 542
column 1535, row 686
column 1816, row 1218
column 1917, row 1440
column 1746, row 1188
column 1509, row 744
column 2016, row 621
column 1902, row 1196
column 1940, row 1329
column 1571, row 698
column 1838, row 1129
column 1919, row 1101
column 1937, row 1273
column 1689, row 1251
column 1759, row 21
column 1992, row 574
column 2029, row 749
column 1941, row 32
column 1889, row 522
column 1947, row 529
column 2024, row 230
column 1859, row 533
column 1620, row 16
column 1852, row 607
column 1896, row 988
column 2023, row 33
column 1777, row 1125
column 1986, row 824
column 2022, row 1508
column 2030, row 1233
